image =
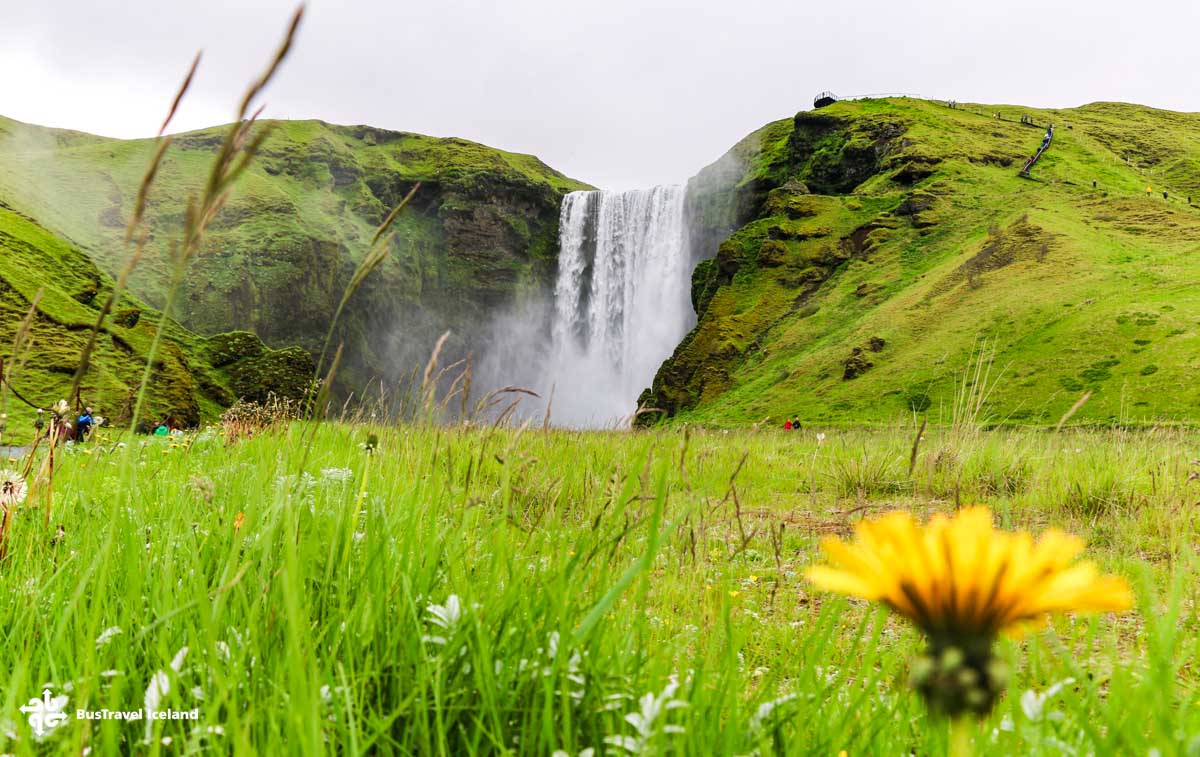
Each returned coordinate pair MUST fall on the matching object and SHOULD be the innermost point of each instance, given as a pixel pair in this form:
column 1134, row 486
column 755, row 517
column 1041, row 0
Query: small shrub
column 246, row 419
column 1004, row 480
column 865, row 476
column 1098, row 492
column 917, row 400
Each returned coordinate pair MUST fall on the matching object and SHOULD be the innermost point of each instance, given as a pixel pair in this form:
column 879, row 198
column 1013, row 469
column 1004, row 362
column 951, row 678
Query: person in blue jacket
column 83, row 426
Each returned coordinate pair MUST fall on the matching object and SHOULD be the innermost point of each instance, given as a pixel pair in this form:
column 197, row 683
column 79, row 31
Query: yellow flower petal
column 842, row 582
column 960, row 576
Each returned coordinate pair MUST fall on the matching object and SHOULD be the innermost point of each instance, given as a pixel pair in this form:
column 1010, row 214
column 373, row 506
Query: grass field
column 480, row 591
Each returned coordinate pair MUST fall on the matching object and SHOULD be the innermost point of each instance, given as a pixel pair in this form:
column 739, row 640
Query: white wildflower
column 160, row 686
column 763, row 716
column 445, row 617
column 107, row 635
column 574, row 667
column 337, row 475
column 647, row 721
column 612, row 702
column 1033, row 704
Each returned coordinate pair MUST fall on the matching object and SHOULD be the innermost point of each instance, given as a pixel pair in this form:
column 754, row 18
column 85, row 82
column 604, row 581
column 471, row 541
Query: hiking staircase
column 1046, row 142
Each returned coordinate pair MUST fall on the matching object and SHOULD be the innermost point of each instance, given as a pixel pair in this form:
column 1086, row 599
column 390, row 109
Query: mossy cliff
column 193, row 379
column 480, row 232
column 855, row 260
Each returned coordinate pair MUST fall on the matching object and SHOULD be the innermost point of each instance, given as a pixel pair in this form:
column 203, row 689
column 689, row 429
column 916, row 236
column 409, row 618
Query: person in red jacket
column 787, row 425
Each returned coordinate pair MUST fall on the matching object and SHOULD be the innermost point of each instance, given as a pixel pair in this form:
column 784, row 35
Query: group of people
column 164, row 429
column 1049, row 135
column 65, row 425
column 792, row 425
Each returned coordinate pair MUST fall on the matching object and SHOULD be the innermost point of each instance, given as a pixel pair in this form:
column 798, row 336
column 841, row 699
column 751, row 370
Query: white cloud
column 619, row 93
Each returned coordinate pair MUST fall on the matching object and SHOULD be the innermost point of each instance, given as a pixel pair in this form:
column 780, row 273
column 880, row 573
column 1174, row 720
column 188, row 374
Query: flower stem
column 960, row 737
column 362, row 494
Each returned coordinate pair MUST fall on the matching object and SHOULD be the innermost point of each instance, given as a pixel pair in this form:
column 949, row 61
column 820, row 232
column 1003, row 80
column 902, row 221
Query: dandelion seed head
column 12, row 489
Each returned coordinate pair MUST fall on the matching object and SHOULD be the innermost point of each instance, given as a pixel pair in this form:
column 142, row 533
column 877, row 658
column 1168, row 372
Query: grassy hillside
column 865, row 259
column 194, row 377
column 482, row 228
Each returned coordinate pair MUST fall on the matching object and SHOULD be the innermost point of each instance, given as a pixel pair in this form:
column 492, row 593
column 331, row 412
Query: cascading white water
column 621, row 301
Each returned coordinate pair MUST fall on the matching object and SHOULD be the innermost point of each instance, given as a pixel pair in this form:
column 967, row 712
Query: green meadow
column 522, row 591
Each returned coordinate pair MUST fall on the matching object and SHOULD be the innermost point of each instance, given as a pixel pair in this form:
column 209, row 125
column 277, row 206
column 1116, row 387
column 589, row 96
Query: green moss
column 225, row 349
column 286, row 373
column 40, row 267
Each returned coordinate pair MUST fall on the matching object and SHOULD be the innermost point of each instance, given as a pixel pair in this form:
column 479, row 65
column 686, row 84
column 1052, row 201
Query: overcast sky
column 618, row 93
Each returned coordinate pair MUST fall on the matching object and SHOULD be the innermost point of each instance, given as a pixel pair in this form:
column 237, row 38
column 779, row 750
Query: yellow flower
column 734, row 593
column 959, row 576
column 963, row 583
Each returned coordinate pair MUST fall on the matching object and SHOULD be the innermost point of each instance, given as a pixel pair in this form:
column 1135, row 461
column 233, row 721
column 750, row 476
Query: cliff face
column 480, row 233
column 192, row 380
column 855, row 261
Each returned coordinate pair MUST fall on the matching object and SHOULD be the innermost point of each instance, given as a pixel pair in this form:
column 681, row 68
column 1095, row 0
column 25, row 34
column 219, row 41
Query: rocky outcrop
column 768, row 209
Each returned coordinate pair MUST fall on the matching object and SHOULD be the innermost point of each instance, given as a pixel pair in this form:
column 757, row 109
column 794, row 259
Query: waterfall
column 621, row 300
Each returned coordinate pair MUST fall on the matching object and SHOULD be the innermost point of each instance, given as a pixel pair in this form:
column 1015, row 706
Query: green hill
column 862, row 257
column 193, row 380
column 482, row 228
